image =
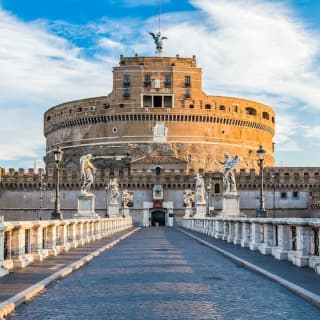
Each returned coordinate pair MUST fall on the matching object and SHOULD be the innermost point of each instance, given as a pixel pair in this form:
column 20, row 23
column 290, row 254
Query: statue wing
column 82, row 174
column 153, row 35
column 235, row 161
column 163, row 38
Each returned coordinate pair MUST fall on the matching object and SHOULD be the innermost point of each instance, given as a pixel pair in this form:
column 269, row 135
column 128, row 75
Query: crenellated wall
column 288, row 191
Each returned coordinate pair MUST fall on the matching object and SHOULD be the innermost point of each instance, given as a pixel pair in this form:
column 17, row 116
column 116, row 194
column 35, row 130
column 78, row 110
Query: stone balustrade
column 26, row 241
column 296, row 240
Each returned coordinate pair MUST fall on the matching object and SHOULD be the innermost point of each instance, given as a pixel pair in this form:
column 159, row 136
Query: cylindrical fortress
column 157, row 106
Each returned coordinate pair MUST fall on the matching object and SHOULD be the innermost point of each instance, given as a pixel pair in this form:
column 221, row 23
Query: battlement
column 286, row 178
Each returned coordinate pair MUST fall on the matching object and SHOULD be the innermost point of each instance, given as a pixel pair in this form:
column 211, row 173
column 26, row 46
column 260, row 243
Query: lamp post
column 107, row 187
column 261, row 211
column 57, row 214
column 209, row 187
column 274, row 196
column 42, row 188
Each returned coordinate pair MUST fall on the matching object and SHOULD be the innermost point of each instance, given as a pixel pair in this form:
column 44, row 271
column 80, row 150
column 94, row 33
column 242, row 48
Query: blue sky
column 55, row 51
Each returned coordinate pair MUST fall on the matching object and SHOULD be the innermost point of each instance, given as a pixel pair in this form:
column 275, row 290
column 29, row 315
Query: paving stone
column 161, row 273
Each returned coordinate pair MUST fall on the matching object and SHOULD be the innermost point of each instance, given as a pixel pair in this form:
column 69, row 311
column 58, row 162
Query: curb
column 303, row 293
column 9, row 305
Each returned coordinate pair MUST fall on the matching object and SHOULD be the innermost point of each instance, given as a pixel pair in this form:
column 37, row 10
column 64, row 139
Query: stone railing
column 26, row 241
column 296, row 240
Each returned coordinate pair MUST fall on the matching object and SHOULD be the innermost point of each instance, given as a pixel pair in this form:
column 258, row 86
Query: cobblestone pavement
column 160, row 273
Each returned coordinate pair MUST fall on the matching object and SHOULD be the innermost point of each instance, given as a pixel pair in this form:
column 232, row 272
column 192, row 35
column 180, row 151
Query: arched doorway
column 158, row 218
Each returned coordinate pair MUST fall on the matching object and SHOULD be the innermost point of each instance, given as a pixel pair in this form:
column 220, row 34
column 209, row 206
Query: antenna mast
column 159, row 19
column 158, row 38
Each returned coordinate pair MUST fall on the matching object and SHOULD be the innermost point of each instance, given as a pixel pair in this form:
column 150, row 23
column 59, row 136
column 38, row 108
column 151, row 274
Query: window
column 222, row 108
column 187, row 81
column 217, row 188
column 235, row 108
column 93, row 108
column 208, row 106
column 191, row 106
column 295, row 194
column 147, row 80
column 265, row 115
column 251, row 111
column 121, row 105
column 48, row 118
column 187, row 94
column 168, row 81
column 167, row 101
column 79, row 109
column 283, row 195
column 126, row 93
column 106, row 106
column 147, row 101
column 126, row 81
column 158, row 171
column 157, row 101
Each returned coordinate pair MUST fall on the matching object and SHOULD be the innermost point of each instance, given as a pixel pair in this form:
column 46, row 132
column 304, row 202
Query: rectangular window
column 168, row 81
column 168, row 101
column 187, row 81
column 126, row 80
column 147, row 101
column 147, row 80
column 187, row 94
column 157, row 101
column 126, row 93
column 283, row 195
column 295, row 194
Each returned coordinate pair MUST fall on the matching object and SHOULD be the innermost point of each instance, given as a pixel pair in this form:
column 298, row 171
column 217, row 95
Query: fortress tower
column 157, row 107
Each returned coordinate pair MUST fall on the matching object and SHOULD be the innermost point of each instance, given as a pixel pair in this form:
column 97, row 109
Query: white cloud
column 248, row 48
column 38, row 70
column 287, row 127
column 313, row 132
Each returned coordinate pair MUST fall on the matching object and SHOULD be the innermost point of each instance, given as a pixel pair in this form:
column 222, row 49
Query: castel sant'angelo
column 157, row 107
column 158, row 128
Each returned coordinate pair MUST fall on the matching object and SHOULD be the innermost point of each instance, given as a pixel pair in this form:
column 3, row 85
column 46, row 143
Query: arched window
column 265, row 115
column 208, row 106
column 251, row 111
column 158, row 171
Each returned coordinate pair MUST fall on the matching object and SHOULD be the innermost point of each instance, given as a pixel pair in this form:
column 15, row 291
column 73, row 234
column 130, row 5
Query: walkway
column 161, row 273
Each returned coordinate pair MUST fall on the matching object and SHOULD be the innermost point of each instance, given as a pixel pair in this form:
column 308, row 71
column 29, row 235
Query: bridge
column 215, row 268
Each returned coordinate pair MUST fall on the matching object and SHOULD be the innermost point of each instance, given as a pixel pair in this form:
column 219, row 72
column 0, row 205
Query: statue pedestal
column 201, row 211
column 86, row 206
column 113, row 210
column 231, row 205
column 188, row 213
column 126, row 212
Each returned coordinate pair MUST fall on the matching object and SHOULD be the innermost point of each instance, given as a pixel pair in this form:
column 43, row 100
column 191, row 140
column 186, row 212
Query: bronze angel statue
column 158, row 39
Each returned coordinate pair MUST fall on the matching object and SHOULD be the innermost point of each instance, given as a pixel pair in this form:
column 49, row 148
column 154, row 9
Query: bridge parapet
column 26, row 241
column 292, row 239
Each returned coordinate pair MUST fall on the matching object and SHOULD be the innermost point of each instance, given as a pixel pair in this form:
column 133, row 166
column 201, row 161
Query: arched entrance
column 158, row 218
